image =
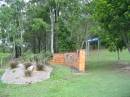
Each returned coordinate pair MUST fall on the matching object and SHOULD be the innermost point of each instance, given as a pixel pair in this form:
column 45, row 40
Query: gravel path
column 16, row 76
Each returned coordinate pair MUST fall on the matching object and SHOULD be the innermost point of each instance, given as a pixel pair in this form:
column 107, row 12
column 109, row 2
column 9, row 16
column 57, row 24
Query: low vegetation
column 27, row 65
column 28, row 73
column 13, row 64
column 40, row 67
column 1, row 71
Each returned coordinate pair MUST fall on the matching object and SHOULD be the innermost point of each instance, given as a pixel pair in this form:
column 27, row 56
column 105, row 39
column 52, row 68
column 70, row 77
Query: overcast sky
column 2, row 1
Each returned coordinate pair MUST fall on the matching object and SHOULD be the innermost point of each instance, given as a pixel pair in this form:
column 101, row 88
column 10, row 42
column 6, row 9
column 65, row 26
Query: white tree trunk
column 52, row 30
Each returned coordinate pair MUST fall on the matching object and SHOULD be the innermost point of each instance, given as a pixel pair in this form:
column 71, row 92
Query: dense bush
column 28, row 73
column 40, row 67
column 13, row 64
column 26, row 65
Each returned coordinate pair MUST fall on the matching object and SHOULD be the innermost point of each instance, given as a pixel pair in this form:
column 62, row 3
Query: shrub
column 40, row 67
column 26, row 65
column 46, row 57
column 13, row 64
column 28, row 73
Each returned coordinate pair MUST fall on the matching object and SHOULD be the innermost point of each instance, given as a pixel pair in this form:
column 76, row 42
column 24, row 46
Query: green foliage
column 66, row 43
column 1, row 71
column 38, row 24
column 11, row 21
column 26, row 65
column 72, row 26
column 28, row 73
column 113, row 17
column 42, row 58
column 30, row 24
column 40, row 67
column 13, row 64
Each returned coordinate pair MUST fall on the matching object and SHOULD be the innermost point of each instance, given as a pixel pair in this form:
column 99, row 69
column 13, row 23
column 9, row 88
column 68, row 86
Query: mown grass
column 99, row 80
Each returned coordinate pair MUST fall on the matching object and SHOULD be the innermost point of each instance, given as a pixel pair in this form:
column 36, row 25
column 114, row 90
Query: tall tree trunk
column 39, row 45
column 13, row 47
column 126, row 40
column 3, row 40
column 52, row 30
column 118, row 54
column 129, row 48
column 34, row 45
column 16, row 51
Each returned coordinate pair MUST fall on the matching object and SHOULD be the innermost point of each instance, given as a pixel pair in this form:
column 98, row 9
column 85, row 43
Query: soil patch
column 122, row 66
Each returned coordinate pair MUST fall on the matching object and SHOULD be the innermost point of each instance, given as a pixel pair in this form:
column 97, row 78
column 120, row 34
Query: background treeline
column 44, row 25
column 63, row 25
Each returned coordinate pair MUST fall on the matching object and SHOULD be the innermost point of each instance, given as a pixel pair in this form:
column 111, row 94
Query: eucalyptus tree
column 5, row 17
column 54, row 8
column 11, row 22
column 72, row 25
column 37, row 26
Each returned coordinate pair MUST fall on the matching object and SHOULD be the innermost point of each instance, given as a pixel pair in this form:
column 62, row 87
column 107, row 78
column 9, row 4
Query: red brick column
column 81, row 61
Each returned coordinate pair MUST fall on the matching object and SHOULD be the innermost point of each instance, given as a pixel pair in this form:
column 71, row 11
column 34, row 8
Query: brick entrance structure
column 72, row 59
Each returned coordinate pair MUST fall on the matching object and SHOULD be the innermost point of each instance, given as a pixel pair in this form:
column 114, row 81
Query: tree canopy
column 63, row 25
column 113, row 17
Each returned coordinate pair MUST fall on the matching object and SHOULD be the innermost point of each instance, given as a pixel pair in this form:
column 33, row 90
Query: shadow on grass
column 100, row 65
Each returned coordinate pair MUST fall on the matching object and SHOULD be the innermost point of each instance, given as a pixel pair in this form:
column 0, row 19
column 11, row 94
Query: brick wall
column 72, row 59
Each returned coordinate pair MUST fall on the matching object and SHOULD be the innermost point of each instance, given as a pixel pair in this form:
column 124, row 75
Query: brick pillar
column 82, row 61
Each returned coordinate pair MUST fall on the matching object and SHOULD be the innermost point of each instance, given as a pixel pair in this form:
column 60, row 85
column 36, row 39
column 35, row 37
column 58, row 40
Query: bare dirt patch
column 122, row 66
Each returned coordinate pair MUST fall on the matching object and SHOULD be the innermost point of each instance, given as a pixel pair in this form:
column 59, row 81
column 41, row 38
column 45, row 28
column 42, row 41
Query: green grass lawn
column 101, row 79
